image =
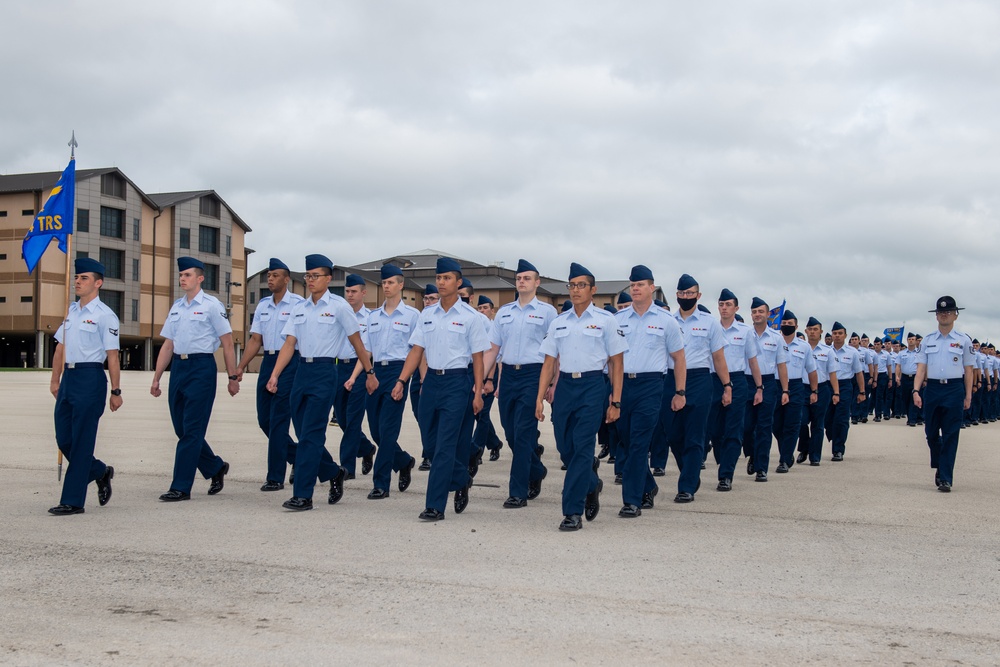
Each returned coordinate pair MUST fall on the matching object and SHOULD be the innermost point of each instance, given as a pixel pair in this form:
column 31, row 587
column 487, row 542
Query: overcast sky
column 843, row 155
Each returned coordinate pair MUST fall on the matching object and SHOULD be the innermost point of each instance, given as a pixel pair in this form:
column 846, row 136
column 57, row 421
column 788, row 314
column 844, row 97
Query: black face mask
column 466, row 299
column 788, row 329
column 687, row 304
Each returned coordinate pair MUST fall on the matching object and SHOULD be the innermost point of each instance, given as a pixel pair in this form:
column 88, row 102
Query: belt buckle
column 308, row 360
column 438, row 371
column 383, row 363
column 517, row 367
column 184, row 357
column 71, row 365
column 630, row 376
column 576, row 376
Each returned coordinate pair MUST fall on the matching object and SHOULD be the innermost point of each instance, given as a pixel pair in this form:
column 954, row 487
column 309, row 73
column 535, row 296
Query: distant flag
column 54, row 221
column 895, row 334
column 774, row 316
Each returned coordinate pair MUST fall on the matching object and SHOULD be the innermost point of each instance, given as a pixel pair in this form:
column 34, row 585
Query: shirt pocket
column 265, row 316
column 88, row 327
column 398, row 326
column 699, row 333
column 456, row 327
column 593, row 332
column 175, row 316
column 561, row 332
column 428, row 325
column 199, row 316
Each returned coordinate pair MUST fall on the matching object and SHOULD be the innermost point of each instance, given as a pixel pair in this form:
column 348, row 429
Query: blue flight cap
column 837, row 326
column 686, row 282
column 877, row 340
column 483, row 299
column 524, row 265
column 911, row 335
column 276, row 264
column 659, row 303
column 854, row 334
column 448, row 265
column 789, row 315
column 390, row 270
column 624, row 297
column 466, row 283
column 758, row 302
column 704, row 309
column 88, row 265
column 739, row 318
column 727, row 295
column 578, row 271
column 354, row 280
column 975, row 341
column 318, row 262
column 800, row 334
column 813, row 322
column 611, row 309
column 430, row 288
column 185, row 263
column 567, row 304
column 640, row 272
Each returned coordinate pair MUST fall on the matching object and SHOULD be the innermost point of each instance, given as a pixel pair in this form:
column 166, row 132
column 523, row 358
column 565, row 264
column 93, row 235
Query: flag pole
column 69, row 254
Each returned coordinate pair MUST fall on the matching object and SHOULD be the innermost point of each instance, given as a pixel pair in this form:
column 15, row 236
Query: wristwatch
column 760, row 387
column 680, row 392
column 616, row 404
column 815, row 391
column 728, row 384
column 116, row 392
column 784, row 391
column 915, row 391
column 370, row 371
column 234, row 377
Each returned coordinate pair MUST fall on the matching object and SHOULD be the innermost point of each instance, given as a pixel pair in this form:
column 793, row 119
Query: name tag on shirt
column 506, row 318
column 560, row 332
column 175, row 316
column 299, row 318
column 265, row 316
column 427, row 325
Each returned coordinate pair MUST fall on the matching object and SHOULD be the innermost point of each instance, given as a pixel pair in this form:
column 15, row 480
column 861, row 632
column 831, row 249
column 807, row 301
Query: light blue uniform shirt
column 270, row 318
column 770, row 352
column 519, row 332
column 946, row 356
column 652, row 337
column 702, row 336
column 882, row 359
column 450, row 337
column 868, row 359
column 800, row 360
column 848, row 363
column 741, row 347
column 321, row 329
column 361, row 315
column 584, row 343
column 908, row 362
column 195, row 327
column 389, row 334
column 88, row 333
column 826, row 361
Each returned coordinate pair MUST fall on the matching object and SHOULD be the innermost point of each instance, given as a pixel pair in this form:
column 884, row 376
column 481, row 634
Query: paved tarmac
column 856, row 562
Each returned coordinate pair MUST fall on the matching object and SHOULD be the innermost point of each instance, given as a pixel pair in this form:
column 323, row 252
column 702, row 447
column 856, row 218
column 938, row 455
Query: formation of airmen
column 640, row 381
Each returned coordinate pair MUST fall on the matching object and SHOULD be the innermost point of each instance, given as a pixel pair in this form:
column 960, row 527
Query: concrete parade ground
column 860, row 562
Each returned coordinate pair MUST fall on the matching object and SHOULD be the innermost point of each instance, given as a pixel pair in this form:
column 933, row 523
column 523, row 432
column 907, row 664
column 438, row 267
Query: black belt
column 196, row 355
column 643, row 376
column 697, row 371
column 944, row 380
column 791, row 380
column 271, row 352
column 392, row 362
column 909, row 376
column 319, row 360
column 577, row 376
column 769, row 376
column 820, row 384
column 84, row 364
column 448, row 371
column 522, row 367
column 338, row 360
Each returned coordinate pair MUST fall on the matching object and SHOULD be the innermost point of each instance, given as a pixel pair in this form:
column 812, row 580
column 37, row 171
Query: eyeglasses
column 309, row 277
column 577, row 286
column 687, row 295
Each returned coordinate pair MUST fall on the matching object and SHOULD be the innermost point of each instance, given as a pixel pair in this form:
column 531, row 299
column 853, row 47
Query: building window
column 211, row 283
column 112, row 222
column 208, row 239
column 185, row 240
column 25, row 299
column 135, row 270
column 82, row 254
column 210, row 206
column 3, row 299
column 113, row 299
column 253, row 298
column 83, row 219
column 112, row 261
column 28, row 211
column 3, row 255
column 135, row 310
column 135, row 229
column 113, row 185
column 229, row 246
column 3, row 214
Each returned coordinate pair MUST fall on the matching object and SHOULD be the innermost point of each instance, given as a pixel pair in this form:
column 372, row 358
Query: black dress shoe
column 535, row 487
column 611, row 459
column 350, row 476
column 781, row 467
column 495, row 454
column 750, row 470
column 473, row 466
column 605, row 450
column 431, row 515
column 593, row 504
column 854, row 421
column 702, row 465
column 910, row 424
column 943, row 487
column 618, row 478
column 864, row 420
column 837, row 457
column 298, row 504
column 647, row 500
column 218, row 479
column 659, row 472
column 514, row 503
column 337, row 487
column 405, row 476
column 462, row 499
column 540, row 449
column 570, row 523
column 814, row 464
column 683, row 497
column 272, row 486
column 725, row 485
column 630, row 512
column 761, row 476
column 368, row 462
column 173, row 495
column 801, row 458
column 104, row 487
column 562, row 467
column 378, row 494
column 65, row 510
column 425, row 465
column 878, row 419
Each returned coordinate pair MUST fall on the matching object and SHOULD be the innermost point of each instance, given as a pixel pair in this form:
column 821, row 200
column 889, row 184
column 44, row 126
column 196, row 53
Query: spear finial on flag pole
column 72, row 146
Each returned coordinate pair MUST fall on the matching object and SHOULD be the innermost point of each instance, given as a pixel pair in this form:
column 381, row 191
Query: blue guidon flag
column 895, row 334
column 54, row 221
column 775, row 314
